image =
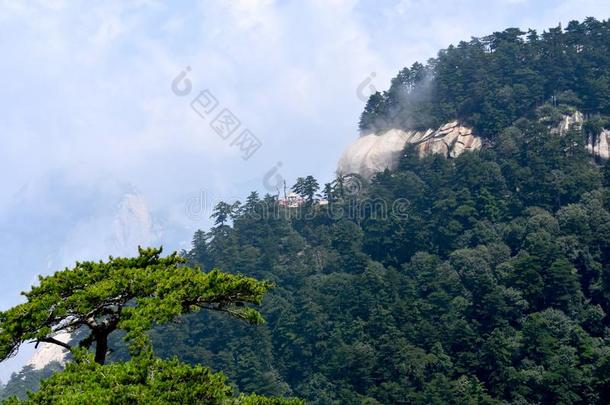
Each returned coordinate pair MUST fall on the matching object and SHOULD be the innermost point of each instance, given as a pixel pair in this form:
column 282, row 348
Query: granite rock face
column 374, row 153
column 451, row 140
column 598, row 146
column 568, row 121
column 49, row 352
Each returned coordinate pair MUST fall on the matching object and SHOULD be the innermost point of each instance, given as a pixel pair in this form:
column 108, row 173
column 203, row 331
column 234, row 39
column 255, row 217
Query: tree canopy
column 142, row 380
column 490, row 287
column 490, row 82
column 483, row 279
column 306, row 187
column 131, row 294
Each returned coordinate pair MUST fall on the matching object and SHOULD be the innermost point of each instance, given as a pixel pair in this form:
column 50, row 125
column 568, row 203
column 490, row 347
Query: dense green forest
column 491, row 285
column 483, row 279
column 93, row 300
column 490, row 82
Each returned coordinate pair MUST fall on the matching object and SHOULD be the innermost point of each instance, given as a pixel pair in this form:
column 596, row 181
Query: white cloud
column 86, row 89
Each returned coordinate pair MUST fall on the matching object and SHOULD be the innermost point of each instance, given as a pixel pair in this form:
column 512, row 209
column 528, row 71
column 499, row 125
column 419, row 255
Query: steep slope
column 453, row 277
column 373, row 153
column 489, row 285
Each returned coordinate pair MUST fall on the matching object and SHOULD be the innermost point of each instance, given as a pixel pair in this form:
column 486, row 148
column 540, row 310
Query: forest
column 490, row 286
column 483, row 279
column 490, row 82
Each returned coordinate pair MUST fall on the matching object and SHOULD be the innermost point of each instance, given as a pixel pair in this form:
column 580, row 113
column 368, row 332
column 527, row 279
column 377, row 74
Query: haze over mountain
column 114, row 112
column 102, row 117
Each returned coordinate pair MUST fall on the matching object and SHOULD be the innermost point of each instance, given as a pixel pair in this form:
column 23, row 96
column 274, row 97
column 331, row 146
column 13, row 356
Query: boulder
column 376, row 152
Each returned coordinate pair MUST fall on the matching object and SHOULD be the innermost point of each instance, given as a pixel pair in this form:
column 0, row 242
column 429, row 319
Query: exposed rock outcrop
column 49, row 352
column 576, row 118
column 451, row 140
column 374, row 153
column 598, row 145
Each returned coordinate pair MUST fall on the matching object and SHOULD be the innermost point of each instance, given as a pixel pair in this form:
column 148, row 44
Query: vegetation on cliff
column 490, row 82
column 483, row 279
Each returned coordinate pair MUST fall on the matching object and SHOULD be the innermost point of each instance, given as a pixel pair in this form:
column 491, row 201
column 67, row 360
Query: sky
column 112, row 112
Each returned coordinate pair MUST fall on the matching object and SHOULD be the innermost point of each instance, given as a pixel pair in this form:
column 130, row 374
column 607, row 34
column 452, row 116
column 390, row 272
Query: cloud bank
column 88, row 115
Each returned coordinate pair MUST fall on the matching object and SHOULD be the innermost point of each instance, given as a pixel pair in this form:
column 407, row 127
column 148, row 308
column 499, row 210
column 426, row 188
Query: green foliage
column 27, row 380
column 131, row 294
column 490, row 82
column 306, row 187
column 488, row 284
column 141, row 380
column 490, row 287
column 224, row 211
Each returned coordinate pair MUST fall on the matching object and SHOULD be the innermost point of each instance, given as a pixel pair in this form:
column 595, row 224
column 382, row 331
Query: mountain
column 476, row 276
column 485, row 85
column 58, row 220
column 373, row 153
column 94, row 223
column 478, row 279
column 488, row 83
column 479, row 274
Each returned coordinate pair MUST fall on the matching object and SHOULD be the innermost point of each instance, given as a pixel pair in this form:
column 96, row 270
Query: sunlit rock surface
column 451, row 140
column 600, row 146
column 49, row 352
column 596, row 145
column 374, row 153
column 568, row 121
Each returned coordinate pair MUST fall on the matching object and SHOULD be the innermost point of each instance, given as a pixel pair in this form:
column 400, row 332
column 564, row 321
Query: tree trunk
column 101, row 348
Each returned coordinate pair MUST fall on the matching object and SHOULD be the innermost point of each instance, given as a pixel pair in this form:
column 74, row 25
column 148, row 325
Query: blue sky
column 88, row 113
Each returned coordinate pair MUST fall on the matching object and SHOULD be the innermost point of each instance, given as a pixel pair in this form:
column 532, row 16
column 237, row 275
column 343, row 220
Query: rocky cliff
column 48, row 353
column 600, row 146
column 596, row 145
column 376, row 152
